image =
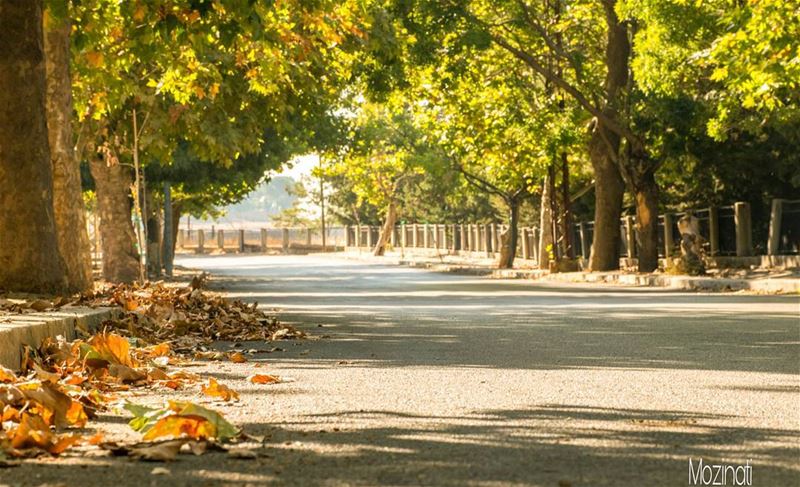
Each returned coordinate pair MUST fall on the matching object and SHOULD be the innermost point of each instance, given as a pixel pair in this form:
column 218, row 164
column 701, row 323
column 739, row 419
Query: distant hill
column 266, row 200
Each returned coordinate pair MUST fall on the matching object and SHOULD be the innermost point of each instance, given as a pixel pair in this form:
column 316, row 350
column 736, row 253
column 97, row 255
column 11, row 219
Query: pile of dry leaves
column 187, row 317
column 62, row 385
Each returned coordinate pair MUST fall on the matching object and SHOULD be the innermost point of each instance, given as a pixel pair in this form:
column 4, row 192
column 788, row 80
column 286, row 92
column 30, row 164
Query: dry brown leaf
column 65, row 411
column 126, row 374
column 264, row 379
column 215, row 389
column 156, row 452
column 237, row 358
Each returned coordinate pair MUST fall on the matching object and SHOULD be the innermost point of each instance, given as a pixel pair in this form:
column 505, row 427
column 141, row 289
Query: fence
column 726, row 232
column 260, row 240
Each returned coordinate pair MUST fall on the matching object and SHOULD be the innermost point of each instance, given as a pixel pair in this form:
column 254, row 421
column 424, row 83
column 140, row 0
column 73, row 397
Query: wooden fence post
column 582, row 233
column 744, row 229
column 774, row 242
column 264, row 240
column 630, row 236
column 488, row 232
column 285, row 240
column 221, row 239
column 526, row 247
column 669, row 236
column 201, row 241
column 713, row 230
column 535, row 243
column 241, row 240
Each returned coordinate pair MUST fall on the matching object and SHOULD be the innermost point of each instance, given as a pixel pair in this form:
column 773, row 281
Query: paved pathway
column 438, row 379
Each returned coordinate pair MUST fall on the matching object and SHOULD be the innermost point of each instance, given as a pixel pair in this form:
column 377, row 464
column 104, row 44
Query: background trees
column 422, row 110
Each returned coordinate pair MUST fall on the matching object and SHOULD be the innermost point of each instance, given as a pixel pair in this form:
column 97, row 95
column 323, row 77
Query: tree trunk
column 29, row 256
column 508, row 249
column 647, row 222
column 546, row 239
column 113, row 182
column 73, row 239
column 154, row 234
column 609, row 189
column 176, row 223
column 604, row 149
column 566, row 214
column 386, row 231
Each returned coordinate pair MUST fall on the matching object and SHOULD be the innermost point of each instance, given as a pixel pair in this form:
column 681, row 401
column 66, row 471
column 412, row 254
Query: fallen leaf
column 238, row 358
column 114, row 348
column 165, row 451
column 126, row 374
column 264, row 379
column 6, row 375
column 215, row 389
column 180, row 426
column 160, row 471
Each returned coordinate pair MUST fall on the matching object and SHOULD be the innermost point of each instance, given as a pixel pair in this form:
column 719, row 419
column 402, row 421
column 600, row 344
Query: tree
column 213, row 76
column 73, row 239
column 382, row 155
column 29, row 256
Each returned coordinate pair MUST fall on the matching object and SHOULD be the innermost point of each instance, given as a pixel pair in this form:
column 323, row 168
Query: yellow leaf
column 6, row 375
column 215, row 389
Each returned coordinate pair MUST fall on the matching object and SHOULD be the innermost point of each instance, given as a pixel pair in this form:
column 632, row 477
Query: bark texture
column 604, row 149
column 647, row 222
column 508, row 246
column 70, row 218
column 113, row 182
column 386, row 231
column 29, row 256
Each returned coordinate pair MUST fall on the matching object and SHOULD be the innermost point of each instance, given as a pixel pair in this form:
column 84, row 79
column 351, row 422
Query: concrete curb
column 30, row 329
column 689, row 283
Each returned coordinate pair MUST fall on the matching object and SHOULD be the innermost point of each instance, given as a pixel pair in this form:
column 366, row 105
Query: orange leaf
column 215, row 389
column 238, row 358
column 113, row 348
column 160, row 350
column 264, row 379
column 6, row 375
column 76, row 415
column 178, row 425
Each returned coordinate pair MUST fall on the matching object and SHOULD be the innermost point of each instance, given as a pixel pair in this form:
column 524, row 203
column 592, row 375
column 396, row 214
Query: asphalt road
column 434, row 379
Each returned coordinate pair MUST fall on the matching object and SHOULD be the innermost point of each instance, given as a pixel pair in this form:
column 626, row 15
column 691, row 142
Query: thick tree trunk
column 29, row 256
column 508, row 249
column 546, row 238
column 647, row 222
column 604, row 148
column 113, row 182
column 609, row 189
column 386, row 231
column 73, row 239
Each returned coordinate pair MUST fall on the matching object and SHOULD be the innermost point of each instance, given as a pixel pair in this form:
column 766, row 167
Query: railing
column 726, row 232
column 260, row 240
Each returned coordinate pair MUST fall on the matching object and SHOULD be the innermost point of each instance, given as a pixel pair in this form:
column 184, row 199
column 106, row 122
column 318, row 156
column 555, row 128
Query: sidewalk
column 761, row 281
column 18, row 329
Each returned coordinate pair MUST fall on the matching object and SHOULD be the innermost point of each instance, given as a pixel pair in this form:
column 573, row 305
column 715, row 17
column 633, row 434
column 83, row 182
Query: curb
column 30, row 329
column 686, row 283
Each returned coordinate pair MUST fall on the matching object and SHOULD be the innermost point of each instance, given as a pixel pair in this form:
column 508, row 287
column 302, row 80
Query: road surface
column 433, row 379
